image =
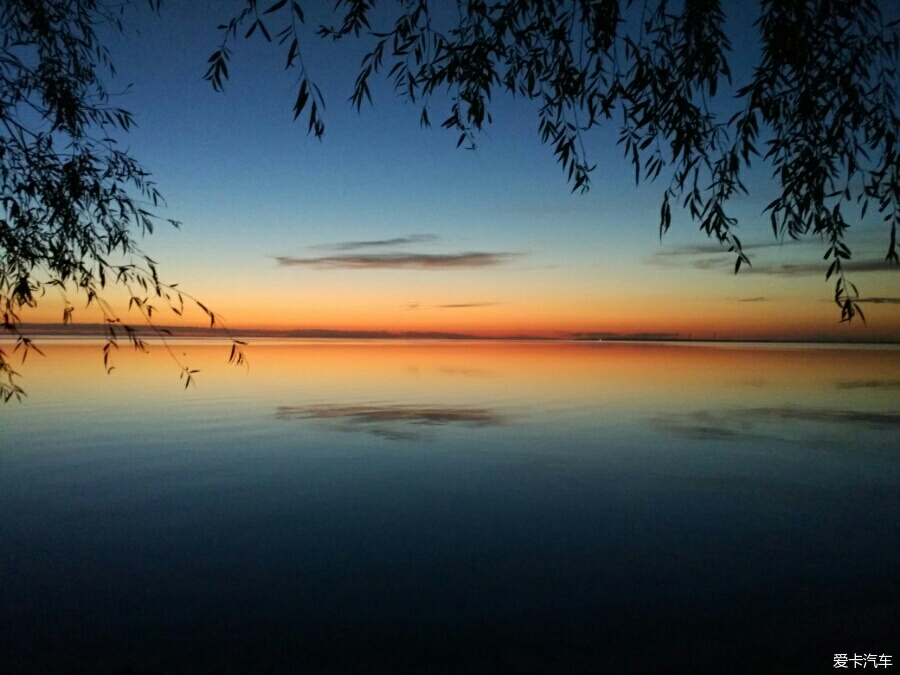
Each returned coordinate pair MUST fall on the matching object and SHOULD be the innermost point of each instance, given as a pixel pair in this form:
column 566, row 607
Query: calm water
column 451, row 507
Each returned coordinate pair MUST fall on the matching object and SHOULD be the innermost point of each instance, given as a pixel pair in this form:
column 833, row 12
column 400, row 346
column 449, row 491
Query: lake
column 451, row 507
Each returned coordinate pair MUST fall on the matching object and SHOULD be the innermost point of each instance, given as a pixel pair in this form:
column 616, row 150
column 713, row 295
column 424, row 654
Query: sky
column 385, row 226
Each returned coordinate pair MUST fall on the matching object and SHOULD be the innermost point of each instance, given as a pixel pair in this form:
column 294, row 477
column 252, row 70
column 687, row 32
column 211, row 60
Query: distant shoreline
column 88, row 331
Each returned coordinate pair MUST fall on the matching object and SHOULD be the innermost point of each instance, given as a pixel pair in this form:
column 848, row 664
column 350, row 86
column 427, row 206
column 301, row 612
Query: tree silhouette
column 71, row 202
column 819, row 108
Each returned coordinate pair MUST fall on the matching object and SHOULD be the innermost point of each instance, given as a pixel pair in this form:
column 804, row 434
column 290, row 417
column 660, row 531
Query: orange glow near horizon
column 545, row 317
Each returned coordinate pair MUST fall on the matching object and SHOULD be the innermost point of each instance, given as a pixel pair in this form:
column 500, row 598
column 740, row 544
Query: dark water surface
column 452, row 507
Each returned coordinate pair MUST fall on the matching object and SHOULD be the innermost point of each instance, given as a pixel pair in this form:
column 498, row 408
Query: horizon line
column 100, row 330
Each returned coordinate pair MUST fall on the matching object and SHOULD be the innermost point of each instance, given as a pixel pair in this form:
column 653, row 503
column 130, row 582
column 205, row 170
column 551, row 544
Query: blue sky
column 260, row 200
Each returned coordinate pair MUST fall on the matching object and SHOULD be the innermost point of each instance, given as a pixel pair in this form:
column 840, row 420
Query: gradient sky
column 387, row 226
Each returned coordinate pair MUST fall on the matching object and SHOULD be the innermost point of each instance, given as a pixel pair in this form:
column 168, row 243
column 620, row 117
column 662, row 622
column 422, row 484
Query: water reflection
column 392, row 421
column 869, row 384
column 574, row 508
column 776, row 423
column 826, row 416
column 698, row 425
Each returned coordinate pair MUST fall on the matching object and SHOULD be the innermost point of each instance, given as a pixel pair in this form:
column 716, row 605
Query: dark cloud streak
column 708, row 249
column 816, row 269
column 712, row 257
column 423, row 261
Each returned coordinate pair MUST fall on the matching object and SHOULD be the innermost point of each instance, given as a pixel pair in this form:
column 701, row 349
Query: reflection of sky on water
column 869, row 384
column 568, row 504
column 397, row 422
column 761, row 423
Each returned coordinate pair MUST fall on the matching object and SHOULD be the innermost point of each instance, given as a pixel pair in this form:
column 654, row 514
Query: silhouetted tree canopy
column 820, row 106
column 71, row 201
column 819, row 109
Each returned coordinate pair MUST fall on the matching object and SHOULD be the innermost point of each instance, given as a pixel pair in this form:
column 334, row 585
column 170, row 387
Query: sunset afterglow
column 385, row 226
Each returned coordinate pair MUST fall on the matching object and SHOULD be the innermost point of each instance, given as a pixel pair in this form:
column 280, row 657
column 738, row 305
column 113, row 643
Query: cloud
column 759, row 298
column 377, row 243
column 466, row 305
column 423, row 261
column 719, row 262
column 714, row 257
column 880, row 301
column 693, row 249
column 394, row 422
column 725, row 261
column 819, row 268
column 711, row 249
